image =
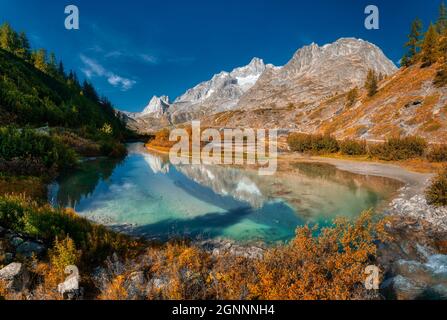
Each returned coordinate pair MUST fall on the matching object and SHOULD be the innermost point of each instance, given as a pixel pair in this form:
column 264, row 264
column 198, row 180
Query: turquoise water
column 146, row 195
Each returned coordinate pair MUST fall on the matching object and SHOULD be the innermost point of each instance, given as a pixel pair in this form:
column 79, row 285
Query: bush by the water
column 393, row 149
column 399, row 148
column 26, row 216
column 34, row 151
column 438, row 153
column 437, row 191
column 308, row 143
column 353, row 147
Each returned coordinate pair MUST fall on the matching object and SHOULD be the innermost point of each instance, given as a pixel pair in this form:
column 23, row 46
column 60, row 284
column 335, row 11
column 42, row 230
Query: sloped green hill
column 31, row 97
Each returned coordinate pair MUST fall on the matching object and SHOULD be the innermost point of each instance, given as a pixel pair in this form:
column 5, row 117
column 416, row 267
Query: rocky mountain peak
column 157, row 106
column 316, row 72
column 314, row 59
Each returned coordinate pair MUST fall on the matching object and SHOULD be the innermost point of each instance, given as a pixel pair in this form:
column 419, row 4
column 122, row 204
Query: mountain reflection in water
column 161, row 200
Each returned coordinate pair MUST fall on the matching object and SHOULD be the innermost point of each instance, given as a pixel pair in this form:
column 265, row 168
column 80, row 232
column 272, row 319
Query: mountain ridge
column 313, row 74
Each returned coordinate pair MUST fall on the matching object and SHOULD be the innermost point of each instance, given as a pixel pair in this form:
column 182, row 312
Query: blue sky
column 134, row 49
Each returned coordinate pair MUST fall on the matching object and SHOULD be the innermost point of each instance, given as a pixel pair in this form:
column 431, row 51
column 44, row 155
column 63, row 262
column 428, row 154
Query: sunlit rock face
column 156, row 108
column 314, row 74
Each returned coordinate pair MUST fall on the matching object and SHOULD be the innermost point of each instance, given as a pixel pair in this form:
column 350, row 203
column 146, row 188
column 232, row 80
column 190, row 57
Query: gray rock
column 16, row 241
column 135, row 285
column 29, row 248
column 8, row 258
column 16, row 276
column 159, row 283
column 418, row 208
column 403, row 288
column 440, row 290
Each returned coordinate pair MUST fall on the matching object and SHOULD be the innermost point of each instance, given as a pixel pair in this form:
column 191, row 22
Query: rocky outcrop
column 15, row 276
column 15, row 246
column 417, row 207
column 156, row 108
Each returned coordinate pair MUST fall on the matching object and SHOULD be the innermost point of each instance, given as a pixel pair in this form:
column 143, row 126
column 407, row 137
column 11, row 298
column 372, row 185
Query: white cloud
column 148, row 58
column 114, row 54
column 93, row 68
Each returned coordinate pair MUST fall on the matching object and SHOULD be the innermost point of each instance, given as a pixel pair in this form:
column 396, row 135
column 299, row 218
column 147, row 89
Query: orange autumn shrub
column 115, row 290
column 185, row 268
column 328, row 266
column 231, row 277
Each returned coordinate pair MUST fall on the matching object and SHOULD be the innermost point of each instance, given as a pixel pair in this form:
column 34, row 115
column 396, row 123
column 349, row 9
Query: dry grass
column 30, row 186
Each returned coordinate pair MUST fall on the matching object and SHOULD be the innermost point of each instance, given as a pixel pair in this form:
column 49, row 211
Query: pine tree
column 352, row 97
column 441, row 24
column 61, row 70
column 89, row 91
column 371, row 84
column 430, row 52
column 39, row 58
column 24, row 51
column 8, row 38
column 441, row 76
column 413, row 44
column 52, row 65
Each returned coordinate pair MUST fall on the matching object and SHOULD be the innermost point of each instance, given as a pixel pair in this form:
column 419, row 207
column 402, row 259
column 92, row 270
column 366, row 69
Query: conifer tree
column 413, row 44
column 89, row 91
column 441, row 24
column 430, row 52
column 39, row 58
column 61, row 70
column 371, row 84
column 24, row 50
column 52, row 65
column 352, row 97
column 8, row 38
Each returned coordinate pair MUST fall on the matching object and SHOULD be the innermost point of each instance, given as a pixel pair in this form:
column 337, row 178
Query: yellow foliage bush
column 115, row 290
column 329, row 266
column 64, row 254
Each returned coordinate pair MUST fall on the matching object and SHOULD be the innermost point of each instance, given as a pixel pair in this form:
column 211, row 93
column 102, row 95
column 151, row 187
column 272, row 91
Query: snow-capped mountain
column 312, row 75
column 221, row 93
column 157, row 107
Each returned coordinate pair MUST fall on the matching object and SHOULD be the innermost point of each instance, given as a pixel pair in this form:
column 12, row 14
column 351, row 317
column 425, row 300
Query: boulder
column 8, row 258
column 16, row 241
column 16, row 276
column 30, row 248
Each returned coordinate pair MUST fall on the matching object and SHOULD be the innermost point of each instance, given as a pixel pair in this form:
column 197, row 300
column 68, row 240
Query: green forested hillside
column 35, row 90
column 28, row 96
